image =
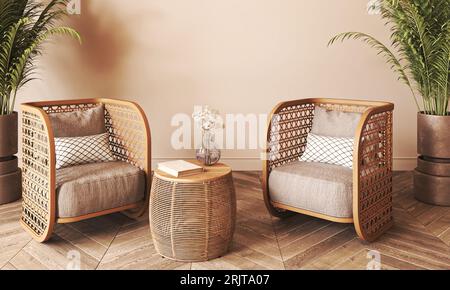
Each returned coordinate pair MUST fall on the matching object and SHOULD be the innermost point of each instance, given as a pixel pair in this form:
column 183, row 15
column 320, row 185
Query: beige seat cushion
column 318, row 187
column 91, row 188
column 79, row 123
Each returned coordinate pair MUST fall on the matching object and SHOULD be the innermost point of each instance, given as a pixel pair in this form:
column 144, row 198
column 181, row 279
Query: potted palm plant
column 24, row 26
column 420, row 35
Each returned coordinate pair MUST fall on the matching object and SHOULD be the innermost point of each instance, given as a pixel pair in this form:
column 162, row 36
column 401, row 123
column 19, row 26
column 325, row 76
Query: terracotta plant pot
column 10, row 174
column 432, row 176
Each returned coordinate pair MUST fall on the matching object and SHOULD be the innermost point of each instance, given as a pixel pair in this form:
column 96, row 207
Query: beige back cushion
column 79, row 123
column 335, row 123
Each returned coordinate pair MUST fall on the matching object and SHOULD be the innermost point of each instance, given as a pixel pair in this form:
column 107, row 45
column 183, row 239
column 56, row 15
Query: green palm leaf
column 6, row 61
column 420, row 34
column 382, row 50
column 24, row 26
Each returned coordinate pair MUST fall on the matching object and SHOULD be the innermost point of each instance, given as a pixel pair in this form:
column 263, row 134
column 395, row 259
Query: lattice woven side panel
column 128, row 135
column 36, row 169
column 193, row 221
column 288, row 132
column 375, row 175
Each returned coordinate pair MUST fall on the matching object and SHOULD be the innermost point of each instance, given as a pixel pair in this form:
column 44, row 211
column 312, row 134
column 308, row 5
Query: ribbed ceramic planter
column 10, row 174
column 432, row 176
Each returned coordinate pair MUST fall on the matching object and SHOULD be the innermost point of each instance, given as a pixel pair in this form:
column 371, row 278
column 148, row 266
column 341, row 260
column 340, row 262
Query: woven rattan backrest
column 290, row 127
column 119, row 121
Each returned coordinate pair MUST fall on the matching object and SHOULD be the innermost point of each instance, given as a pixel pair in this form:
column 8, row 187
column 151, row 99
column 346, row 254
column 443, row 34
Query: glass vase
column 208, row 153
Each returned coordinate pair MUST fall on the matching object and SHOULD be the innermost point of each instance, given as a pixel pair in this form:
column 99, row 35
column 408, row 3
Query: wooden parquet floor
column 420, row 239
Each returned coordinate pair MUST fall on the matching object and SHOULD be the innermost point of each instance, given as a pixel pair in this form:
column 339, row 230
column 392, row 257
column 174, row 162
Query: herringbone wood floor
column 419, row 240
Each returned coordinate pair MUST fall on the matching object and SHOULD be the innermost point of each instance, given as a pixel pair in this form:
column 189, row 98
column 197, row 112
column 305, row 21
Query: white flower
column 207, row 118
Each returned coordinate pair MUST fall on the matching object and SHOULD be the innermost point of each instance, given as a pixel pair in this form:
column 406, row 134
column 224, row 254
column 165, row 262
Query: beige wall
column 239, row 56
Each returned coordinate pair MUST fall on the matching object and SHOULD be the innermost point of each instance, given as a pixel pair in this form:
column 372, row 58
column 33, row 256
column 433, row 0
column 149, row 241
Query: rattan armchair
column 289, row 126
column 129, row 134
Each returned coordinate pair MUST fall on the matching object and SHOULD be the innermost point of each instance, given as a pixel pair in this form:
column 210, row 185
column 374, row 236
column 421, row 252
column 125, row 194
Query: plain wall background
column 238, row 56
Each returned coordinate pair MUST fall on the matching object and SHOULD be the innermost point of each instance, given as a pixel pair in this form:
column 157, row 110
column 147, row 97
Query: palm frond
column 6, row 61
column 11, row 11
column 24, row 26
column 420, row 34
column 382, row 50
column 17, row 73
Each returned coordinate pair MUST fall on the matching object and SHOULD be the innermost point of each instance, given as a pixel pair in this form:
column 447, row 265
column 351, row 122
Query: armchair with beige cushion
column 331, row 159
column 59, row 185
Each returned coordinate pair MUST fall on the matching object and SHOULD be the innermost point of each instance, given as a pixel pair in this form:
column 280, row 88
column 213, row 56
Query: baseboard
column 255, row 164
column 405, row 163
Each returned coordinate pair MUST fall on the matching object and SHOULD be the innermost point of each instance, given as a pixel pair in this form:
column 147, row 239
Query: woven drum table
column 192, row 218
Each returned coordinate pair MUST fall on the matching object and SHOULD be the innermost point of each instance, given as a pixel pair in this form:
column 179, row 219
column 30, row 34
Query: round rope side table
column 192, row 218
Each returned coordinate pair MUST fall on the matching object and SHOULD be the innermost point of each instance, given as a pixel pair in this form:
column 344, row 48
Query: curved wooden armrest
column 287, row 131
column 128, row 126
column 372, row 173
column 130, row 139
column 288, row 127
column 38, row 180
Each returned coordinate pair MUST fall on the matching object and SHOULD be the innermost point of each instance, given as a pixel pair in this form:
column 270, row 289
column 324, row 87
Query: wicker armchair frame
column 288, row 128
column 130, row 141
